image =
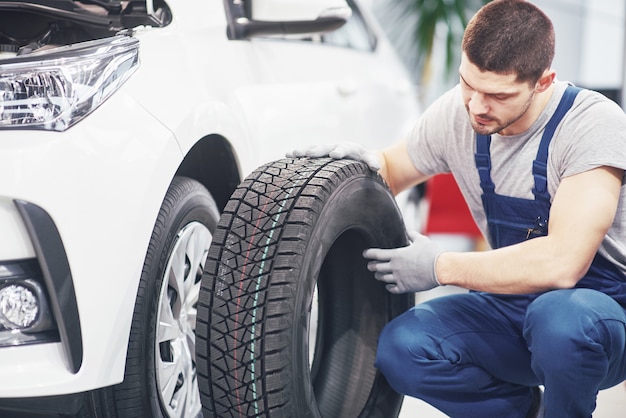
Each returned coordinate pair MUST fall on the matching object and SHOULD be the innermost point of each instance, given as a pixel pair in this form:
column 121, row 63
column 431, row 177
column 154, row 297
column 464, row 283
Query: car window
column 355, row 34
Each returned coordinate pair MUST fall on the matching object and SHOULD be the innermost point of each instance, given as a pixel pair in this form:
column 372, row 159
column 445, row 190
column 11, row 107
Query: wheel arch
column 213, row 162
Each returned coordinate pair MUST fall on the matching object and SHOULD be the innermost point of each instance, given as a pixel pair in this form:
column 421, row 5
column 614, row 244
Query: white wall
column 589, row 41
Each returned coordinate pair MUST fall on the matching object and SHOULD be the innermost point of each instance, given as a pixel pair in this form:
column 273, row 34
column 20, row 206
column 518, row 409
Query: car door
column 345, row 85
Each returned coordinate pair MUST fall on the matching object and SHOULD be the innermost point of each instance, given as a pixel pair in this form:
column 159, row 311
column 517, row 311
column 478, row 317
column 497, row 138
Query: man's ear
column 545, row 81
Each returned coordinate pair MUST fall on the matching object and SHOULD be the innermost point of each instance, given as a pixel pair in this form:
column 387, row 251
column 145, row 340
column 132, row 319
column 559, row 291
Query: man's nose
column 478, row 104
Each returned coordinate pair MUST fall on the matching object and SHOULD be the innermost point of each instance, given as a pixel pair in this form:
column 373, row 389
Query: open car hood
column 112, row 14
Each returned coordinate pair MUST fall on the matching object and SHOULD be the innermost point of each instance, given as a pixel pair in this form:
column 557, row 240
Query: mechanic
column 541, row 164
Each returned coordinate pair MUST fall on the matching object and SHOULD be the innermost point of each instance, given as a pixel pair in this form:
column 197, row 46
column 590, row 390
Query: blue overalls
column 480, row 354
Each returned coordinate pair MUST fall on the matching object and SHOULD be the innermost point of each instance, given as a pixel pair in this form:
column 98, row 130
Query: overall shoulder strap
column 483, row 163
column 540, row 165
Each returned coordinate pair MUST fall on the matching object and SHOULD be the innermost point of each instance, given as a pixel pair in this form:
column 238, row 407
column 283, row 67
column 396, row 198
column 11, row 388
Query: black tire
column 293, row 226
column 179, row 243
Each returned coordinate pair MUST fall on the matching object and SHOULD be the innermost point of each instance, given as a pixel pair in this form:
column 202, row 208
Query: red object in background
column 448, row 213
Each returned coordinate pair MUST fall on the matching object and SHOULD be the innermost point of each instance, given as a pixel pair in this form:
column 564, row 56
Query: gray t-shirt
column 592, row 134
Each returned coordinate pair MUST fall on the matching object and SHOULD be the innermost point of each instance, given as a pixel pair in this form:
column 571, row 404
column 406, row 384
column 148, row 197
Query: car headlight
column 53, row 90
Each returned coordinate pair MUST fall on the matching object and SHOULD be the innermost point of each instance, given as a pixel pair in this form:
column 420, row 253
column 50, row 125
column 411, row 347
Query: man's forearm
column 532, row 266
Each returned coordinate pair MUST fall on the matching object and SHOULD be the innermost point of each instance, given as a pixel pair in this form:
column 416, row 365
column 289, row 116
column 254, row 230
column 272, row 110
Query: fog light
column 19, row 306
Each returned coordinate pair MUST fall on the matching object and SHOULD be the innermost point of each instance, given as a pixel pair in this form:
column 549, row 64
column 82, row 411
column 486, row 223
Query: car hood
column 114, row 15
column 28, row 26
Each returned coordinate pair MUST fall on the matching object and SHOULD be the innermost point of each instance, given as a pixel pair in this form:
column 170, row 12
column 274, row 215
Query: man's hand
column 406, row 269
column 338, row 151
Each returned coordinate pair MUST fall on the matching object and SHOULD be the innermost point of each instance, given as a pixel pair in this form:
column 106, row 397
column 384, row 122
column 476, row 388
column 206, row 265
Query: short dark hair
column 510, row 37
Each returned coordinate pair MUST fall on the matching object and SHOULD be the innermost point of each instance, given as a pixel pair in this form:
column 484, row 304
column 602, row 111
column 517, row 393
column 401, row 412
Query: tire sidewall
column 191, row 203
column 361, row 203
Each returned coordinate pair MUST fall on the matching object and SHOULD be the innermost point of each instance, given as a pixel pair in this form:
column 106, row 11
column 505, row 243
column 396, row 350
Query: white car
column 124, row 128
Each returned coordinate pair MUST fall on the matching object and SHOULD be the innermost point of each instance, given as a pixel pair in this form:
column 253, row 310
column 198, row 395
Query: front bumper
column 57, row 278
column 49, row 406
column 82, row 205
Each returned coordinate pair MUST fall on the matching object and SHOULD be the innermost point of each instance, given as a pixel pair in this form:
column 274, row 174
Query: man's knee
column 569, row 312
column 557, row 318
column 562, row 324
column 402, row 349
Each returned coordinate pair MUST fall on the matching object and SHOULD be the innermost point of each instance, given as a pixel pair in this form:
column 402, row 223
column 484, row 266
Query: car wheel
column 160, row 378
column 288, row 314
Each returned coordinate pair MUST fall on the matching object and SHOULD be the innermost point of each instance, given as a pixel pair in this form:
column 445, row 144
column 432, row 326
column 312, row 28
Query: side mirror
column 250, row 18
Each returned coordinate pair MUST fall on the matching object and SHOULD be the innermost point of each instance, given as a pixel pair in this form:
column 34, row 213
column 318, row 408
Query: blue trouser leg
column 467, row 354
column 577, row 339
column 462, row 354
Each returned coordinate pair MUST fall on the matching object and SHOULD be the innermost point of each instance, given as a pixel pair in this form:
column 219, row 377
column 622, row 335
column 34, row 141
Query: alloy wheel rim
column 175, row 343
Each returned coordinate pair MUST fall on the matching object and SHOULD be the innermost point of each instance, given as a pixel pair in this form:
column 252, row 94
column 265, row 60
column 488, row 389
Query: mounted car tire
column 160, row 378
column 289, row 240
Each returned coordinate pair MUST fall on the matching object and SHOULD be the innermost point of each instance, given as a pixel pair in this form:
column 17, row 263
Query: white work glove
column 350, row 150
column 406, row 269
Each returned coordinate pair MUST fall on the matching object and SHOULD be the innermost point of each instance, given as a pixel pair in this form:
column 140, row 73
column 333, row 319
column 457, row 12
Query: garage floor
column 611, row 404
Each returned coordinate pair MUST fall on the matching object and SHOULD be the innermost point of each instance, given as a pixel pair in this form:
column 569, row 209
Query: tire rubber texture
column 137, row 396
column 292, row 225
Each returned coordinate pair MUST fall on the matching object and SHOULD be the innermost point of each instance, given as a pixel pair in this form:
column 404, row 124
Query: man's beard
column 484, row 130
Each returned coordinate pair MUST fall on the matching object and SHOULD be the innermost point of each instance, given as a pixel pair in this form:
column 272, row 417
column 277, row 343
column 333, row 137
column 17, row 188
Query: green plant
column 413, row 25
